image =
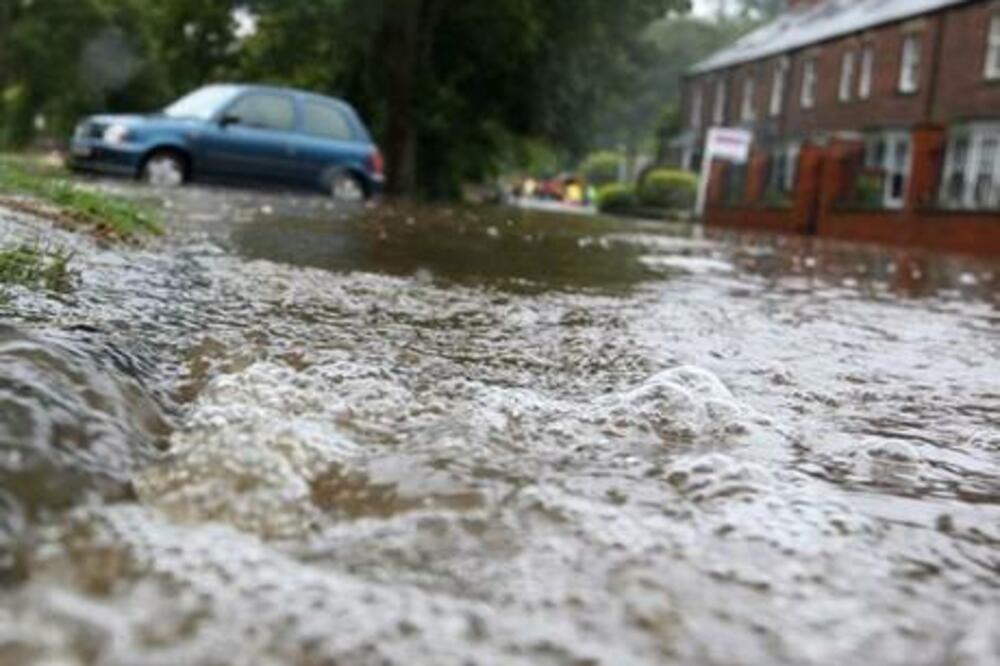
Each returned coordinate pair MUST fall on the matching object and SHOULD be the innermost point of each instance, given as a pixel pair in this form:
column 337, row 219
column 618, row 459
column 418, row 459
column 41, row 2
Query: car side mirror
column 229, row 119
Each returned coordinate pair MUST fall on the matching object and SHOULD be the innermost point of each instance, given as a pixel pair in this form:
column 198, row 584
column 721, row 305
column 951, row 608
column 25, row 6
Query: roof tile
column 817, row 23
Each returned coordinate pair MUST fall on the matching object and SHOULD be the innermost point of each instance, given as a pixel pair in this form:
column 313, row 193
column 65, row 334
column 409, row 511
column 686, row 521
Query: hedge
column 601, row 168
column 669, row 188
column 615, row 197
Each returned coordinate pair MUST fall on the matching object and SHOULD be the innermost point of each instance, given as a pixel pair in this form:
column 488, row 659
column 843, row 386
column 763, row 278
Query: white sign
column 728, row 144
column 723, row 143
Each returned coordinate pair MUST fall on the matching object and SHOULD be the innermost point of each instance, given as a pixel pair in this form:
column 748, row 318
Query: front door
column 252, row 140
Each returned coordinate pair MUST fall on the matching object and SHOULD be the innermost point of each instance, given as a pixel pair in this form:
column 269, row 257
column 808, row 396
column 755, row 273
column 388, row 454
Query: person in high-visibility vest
column 574, row 193
column 529, row 188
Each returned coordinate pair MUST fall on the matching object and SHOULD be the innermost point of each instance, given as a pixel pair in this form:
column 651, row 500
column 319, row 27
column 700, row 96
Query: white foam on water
column 375, row 469
column 248, row 454
column 693, row 265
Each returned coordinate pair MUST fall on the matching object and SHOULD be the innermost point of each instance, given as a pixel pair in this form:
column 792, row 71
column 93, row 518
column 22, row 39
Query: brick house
column 862, row 76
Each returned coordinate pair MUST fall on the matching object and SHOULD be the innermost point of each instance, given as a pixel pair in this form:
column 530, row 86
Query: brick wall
column 963, row 93
column 886, row 107
column 951, row 88
column 818, row 208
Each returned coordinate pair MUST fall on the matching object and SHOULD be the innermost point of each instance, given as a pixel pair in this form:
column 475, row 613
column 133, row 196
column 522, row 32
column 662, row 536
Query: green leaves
column 101, row 212
column 36, row 266
column 447, row 85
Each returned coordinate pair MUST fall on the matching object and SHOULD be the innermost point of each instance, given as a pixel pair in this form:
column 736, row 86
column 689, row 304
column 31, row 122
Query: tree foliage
column 602, row 167
column 449, row 86
column 669, row 47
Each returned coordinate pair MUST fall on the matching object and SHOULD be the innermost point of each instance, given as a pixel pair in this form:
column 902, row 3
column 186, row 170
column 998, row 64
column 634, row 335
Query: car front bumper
column 101, row 157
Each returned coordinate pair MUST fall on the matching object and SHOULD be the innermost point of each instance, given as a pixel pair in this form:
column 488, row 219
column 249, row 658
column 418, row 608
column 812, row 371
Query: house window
column 779, row 167
column 993, row 49
column 696, row 106
column 867, row 72
column 909, row 70
column 719, row 112
column 897, row 171
column 888, row 156
column 985, row 179
column 793, row 166
column 972, row 169
column 875, row 153
column 778, row 83
column 956, row 170
column 781, row 176
column 809, row 81
column 846, row 76
column 748, row 108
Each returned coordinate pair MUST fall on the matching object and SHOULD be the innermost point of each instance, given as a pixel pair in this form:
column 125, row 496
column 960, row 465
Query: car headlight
column 116, row 134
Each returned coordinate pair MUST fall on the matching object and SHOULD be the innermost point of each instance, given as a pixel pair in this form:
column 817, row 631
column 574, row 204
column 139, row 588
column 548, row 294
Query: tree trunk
column 402, row 35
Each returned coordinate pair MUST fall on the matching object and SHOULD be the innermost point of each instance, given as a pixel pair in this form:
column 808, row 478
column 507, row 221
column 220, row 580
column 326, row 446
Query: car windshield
column 202, row 103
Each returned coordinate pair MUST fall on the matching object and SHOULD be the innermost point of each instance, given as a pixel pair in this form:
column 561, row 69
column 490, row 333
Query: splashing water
column 310, row 437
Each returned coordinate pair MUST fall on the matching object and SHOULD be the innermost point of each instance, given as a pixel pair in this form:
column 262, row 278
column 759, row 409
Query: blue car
column 238, row 133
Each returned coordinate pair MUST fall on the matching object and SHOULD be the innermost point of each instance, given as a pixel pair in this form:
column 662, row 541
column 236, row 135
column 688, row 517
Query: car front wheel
column 164, row 169
column 347, row 187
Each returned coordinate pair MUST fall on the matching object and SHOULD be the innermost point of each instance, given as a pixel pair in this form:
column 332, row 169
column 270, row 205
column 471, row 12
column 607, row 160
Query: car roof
column 305, row 94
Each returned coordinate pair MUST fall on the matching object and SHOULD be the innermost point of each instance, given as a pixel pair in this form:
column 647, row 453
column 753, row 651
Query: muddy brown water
column 291, row 433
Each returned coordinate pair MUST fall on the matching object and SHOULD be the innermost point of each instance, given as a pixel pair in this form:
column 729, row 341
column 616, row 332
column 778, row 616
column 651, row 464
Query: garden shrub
column 669, row 188
column 615, row 198
column 869, row 192
column 601, row 168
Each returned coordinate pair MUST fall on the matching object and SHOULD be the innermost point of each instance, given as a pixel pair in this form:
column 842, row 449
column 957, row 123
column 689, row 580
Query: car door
column 327, row 141
column 252, row 139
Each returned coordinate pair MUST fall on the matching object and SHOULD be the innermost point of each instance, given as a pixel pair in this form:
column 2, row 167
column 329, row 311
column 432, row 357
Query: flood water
column 290, row 433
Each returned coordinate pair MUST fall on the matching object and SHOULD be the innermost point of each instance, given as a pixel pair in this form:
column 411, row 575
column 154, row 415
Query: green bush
column 776, row 199
column 615, row 198
column 869, row 190
column 669, row 188
column 601, row 168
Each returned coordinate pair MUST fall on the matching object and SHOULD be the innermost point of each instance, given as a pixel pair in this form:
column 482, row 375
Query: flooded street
column 290, row 433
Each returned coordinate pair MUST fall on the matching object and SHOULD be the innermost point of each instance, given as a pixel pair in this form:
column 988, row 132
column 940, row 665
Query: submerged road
column 290, row 433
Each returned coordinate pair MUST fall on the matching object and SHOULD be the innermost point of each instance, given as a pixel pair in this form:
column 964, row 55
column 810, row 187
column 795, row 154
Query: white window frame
column 847, row 65
column 779, row 81
column 697, row 106
column 892, row 142
column 719, row 110
column 788, row 154
column 956, row 161
column 794, row 148
column 991, row 68
column 910, row 64
column 810, row 82
column 748, row 104
column 867, row 73
column 982, row 158
column 897, row 141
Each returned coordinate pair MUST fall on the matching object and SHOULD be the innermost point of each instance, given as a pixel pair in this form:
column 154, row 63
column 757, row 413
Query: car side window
column 264, row 111
column 326, row 121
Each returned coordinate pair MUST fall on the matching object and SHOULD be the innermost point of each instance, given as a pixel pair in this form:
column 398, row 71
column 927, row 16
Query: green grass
column 105, row 213
column 37, row 267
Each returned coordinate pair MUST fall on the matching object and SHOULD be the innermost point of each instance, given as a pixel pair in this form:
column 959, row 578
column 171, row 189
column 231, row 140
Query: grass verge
column 106, row 214
column 37, row 267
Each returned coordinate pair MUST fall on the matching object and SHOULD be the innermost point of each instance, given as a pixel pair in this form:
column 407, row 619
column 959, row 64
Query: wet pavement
column 292, row 433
